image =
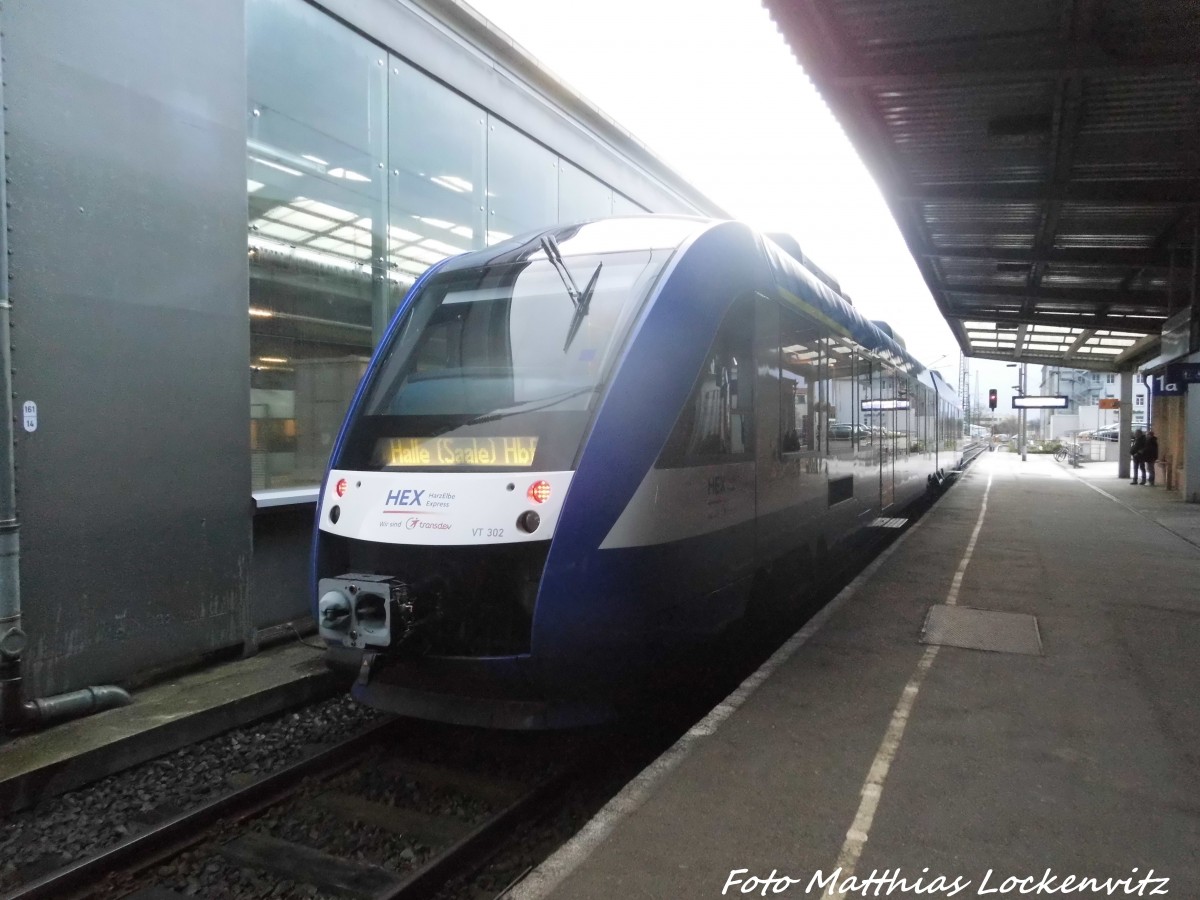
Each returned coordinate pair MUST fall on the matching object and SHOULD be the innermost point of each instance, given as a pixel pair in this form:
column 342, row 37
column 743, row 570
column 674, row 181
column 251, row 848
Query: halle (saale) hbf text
column 462, row 451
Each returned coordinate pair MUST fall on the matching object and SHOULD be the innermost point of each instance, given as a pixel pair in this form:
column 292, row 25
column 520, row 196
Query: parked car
column 1107, row 433
column 845, row 431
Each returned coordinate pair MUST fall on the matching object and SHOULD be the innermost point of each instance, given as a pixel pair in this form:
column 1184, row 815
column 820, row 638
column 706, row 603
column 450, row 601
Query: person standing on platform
column 1149, row 455
column 1135, row 452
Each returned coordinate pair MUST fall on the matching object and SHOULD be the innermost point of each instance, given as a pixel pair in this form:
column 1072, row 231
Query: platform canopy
column 1041, row 158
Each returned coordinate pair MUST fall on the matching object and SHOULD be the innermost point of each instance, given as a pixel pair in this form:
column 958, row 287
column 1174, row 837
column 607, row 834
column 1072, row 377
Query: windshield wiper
column 550, row 247
column 581, row 307
column 580, row 301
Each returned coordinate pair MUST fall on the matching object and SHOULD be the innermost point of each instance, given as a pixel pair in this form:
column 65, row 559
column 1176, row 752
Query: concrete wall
column 126, row 140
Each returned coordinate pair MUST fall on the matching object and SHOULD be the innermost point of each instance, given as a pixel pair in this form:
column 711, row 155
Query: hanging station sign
column 1049, row 401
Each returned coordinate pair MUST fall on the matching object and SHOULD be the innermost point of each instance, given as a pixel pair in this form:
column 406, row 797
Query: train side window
column 801, row 360
column 921, row 420
column 842, row 431
column 717, row 421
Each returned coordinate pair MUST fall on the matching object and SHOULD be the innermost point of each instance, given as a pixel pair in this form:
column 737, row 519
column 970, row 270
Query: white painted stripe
column 872, row 789
column 1138, row 512
column 546, row 877
column 956, row 584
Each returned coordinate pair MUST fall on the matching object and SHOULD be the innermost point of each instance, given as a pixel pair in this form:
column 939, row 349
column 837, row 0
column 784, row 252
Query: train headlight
column 539, row 491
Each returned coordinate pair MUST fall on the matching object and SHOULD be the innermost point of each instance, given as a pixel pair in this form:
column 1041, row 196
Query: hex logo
column 340, row 489
column 405, row 497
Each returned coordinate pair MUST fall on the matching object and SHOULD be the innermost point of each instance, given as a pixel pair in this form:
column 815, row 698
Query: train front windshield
column 500, row 367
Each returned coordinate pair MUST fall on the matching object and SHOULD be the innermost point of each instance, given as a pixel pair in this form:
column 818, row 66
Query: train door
column 871, row 455
column 768, row 475
column 842, row 434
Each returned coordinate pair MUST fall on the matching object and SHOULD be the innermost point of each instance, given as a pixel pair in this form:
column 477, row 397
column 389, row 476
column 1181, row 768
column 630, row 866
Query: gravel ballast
column 85, row 821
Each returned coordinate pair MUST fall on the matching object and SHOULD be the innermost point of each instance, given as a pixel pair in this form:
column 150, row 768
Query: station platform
column 1003, row 704
column 163, row 717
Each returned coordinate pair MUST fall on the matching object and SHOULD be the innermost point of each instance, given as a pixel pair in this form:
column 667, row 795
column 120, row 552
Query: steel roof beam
column 1020, row 343
column 1160, row 244
column 1069, row 255
column 1100, row 364
column 1143, row 350
column 1083, row 338
column 1062, row 320
column 1131, row 191
column 1064, row 129
column 1148, row 299
column 988, row 62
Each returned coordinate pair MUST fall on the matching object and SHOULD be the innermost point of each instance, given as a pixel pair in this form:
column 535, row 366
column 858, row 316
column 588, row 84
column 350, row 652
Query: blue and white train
column 576, row 450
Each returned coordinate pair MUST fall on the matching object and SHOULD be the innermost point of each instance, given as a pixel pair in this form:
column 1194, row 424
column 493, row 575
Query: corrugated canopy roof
column 1041, row 157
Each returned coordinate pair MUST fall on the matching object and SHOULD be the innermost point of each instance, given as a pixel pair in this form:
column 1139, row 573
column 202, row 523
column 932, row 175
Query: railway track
column 353, row 820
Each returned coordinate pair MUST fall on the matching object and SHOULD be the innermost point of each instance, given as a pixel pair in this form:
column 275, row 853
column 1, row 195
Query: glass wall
column 580, row 196
column 362, row 172
column 315, row 150
column 437, row 145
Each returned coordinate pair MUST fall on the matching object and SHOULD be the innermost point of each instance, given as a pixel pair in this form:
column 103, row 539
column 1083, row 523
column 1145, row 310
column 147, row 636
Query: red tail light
column 539, row 491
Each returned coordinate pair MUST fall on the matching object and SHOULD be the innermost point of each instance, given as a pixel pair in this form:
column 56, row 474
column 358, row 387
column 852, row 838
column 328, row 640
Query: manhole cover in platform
column 982, row 629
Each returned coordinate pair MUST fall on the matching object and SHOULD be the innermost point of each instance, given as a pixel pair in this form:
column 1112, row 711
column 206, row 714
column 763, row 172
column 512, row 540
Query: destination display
column 456, row 451
column 882, row 405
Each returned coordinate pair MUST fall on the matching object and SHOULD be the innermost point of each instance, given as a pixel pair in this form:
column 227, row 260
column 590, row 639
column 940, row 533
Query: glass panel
column 436, row 148
column 580, row 196
column 623, row 206
column 844, row 431
column 522, row 184
column 800, row 355
column 318, row 283
column 716, row 422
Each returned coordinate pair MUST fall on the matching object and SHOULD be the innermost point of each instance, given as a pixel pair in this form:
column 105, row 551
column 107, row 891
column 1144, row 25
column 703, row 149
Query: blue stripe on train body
column 596, row 608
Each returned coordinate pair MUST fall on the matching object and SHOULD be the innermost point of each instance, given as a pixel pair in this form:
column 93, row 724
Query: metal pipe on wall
column 16, row 713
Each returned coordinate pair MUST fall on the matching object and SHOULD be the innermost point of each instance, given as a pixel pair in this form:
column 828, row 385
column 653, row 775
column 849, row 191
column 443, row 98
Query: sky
column 713, row 90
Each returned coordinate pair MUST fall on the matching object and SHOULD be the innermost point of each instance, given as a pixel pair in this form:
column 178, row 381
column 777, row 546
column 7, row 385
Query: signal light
column 539, row 491
column 992, row 399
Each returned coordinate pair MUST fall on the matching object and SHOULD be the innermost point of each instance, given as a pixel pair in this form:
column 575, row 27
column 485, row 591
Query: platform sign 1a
column 1174, row 379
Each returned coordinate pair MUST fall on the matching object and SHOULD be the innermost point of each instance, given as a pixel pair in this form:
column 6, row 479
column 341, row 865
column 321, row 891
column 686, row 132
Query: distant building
column 1085, row 389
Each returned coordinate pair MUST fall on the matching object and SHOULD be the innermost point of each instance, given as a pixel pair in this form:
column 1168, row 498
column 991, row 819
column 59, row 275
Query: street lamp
column 1019, row 387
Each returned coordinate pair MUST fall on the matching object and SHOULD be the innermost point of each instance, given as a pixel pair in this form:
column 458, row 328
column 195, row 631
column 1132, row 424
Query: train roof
column 833, row 309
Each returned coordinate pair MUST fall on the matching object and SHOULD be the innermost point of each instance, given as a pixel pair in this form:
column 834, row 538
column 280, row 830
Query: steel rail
column 188, row 827
column 473, row 849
